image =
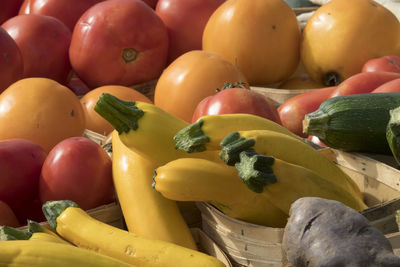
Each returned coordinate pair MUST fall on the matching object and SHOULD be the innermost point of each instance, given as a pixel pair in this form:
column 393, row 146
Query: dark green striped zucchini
column 353, row 122
column 393, row 133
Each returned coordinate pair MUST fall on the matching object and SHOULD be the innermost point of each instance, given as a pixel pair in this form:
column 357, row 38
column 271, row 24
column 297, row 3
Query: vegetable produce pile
column 69, row 68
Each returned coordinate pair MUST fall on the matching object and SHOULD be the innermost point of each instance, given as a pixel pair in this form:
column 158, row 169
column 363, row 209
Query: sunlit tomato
column 40, row 110
column 7, row 216
column 185, row 21
column 67, row 11
column 11, row 64
column 43, row 42
column 261, row 37
column 191, row 78
column 77, row 169
column 20, row 165
column 9, row 9
column 94, row 121
column 237, row 100
column 388, row 87
column 119, row 42
column 386, row 63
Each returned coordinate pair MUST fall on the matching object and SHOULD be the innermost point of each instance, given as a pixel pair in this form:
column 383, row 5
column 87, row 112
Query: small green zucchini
column 353, row 122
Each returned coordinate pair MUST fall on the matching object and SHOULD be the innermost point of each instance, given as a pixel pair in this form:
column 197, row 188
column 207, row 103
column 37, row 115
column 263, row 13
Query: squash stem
column 10, row 233
column 255, row 170
column 53, row 209
column 316, row 123
column 232, row 145
column 35, row 227
column 191, row 138
column 123, row 115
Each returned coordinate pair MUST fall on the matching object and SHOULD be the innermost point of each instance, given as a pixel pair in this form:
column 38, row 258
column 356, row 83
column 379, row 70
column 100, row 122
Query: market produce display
column 126, row 126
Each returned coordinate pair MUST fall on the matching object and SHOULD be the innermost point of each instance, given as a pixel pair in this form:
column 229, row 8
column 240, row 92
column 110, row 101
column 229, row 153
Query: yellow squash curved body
column 295, row 151
column 20, row 253
column 76, row 226
column 147, row 213
column 41, row 236
column 193, row 179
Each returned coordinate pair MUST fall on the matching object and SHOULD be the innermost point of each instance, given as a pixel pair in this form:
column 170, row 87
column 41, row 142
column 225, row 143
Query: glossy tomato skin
column 43, row 42
column 20, row 166
column 67, row 11
column 185, row 21
column 237, row 100
column 385, row 63
column 77, row 169
column 388, row 87
column 7, row 215
column 119, row 46
column 364, row 82
column 9, row 9
column 11, row 65
column 151, row 3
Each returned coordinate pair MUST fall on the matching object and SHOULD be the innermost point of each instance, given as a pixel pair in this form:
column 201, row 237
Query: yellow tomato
column 342, row 35
column 40, row 110
column 261, row 37
column 190, row 78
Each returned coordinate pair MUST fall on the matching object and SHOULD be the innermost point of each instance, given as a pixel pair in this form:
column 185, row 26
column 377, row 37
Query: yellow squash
column 208, row 131
column 291, row 150
column 41, row 236
column 49, row 254
column 147, row 213
column 193, row 179
column 79, row 228
column 145, row 128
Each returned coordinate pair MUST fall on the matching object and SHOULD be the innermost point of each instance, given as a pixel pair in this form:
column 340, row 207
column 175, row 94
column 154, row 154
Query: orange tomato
column 40, row 110
column 261, row 37
column 190, row 78
column 94, row 121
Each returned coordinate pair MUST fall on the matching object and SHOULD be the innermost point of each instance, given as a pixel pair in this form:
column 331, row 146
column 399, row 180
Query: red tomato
column 11, row 65
column 185, row 21
column 31, row 210
column 293, row 110
column 119, row 42
column 20, row 165
column 237, row 100
column 7, row 215
column 388, row 87
column 43, row 42
column 364, row 82
column 386, row 63
column 151, row 3
column 77, row 169
column 315, row 140
column 9, row 9
column 67, row 11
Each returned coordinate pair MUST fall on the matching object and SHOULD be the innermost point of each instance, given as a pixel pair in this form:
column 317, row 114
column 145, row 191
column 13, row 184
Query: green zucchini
column 353, row 122
column 393, row 133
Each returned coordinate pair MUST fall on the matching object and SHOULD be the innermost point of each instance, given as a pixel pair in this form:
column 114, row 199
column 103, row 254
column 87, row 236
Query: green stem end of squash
column 191, row 138
column 316, row 123
column 123, row 115
column 35, row 227
column 232, row 145
column 53, row 209
column 9, row 233
column 255, row 170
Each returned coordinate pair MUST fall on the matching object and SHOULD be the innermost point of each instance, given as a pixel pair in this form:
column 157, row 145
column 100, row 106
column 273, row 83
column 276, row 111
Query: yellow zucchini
column 193, row 179
column 42, row 232
column 21, row 253
column 41, row 236
column 146, row 212
column 145, row 128
column 283, row 183
column 76, row 226
column 208, row 131
column 291, row 150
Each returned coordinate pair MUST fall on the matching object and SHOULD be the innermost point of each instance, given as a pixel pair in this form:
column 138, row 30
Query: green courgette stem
column 35, row 227
column 232, row 145
column 123, row 115
column 394, row 122
column 191, row 138
column 255, row 170
column 53, row 209
column 393, row 133
column 316, row 123
column 10, row 233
